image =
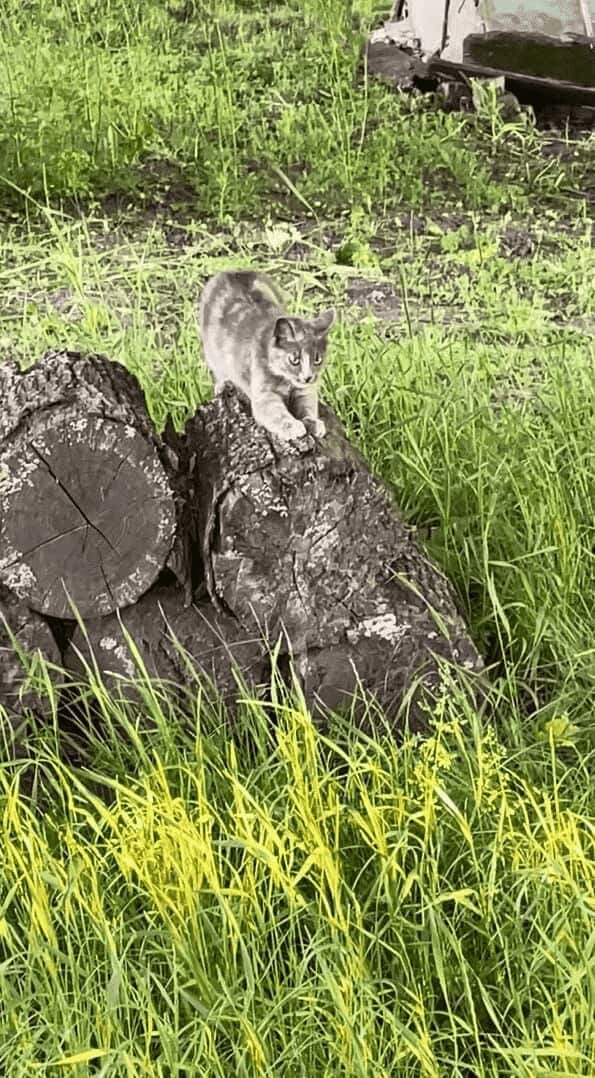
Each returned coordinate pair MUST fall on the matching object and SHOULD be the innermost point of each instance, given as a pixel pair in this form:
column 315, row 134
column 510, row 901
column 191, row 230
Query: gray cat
column 273, row 357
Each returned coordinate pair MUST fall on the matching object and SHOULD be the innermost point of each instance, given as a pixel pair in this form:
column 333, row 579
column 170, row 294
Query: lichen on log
column 182, row 646
column 300, row 542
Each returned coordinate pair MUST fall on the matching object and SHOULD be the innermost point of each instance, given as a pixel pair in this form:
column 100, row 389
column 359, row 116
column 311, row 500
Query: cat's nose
column 309, row 378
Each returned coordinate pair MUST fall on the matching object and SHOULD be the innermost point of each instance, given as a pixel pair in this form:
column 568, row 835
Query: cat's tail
column 251, row 285
column 262, row 286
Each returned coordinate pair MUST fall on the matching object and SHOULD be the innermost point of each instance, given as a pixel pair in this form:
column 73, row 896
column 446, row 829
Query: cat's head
column 298, row 347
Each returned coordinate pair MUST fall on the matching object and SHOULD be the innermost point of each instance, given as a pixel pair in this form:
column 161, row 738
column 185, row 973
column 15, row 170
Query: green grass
column 235, row 104
column 282, row 902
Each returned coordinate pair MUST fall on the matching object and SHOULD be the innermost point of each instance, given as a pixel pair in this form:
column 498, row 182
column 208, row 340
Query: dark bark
column 21, row 631
column 173, row 641
column 300, row 542
column 88, row 499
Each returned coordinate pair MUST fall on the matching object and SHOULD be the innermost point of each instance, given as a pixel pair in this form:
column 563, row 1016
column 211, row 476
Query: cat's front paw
column 290, row 429
column 316, row 427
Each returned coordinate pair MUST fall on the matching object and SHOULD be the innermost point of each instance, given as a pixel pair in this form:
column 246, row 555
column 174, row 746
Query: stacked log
column 89, row 505
column 293, row 546
column 302, row 543
column 181, row 647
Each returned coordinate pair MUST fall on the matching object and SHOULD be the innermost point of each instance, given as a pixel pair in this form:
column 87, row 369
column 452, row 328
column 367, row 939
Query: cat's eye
column 317, row 360
column 295, row 361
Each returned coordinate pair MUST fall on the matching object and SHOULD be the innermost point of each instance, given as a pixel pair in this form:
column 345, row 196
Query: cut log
column 173, row 641
column 21, row 630
column 88, row 510
column 300, row 542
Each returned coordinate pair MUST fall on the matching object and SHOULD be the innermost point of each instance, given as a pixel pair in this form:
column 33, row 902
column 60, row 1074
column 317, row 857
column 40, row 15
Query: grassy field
column 317, row 905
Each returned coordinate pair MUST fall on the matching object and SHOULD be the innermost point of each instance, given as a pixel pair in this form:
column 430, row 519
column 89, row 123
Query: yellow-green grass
column 324, row 907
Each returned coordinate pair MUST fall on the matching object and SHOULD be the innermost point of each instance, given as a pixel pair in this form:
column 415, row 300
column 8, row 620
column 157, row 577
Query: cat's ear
column 284, row 332
column 323, row 322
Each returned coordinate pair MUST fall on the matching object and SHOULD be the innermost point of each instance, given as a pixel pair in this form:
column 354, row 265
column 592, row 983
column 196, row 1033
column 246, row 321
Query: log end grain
column 87, row 511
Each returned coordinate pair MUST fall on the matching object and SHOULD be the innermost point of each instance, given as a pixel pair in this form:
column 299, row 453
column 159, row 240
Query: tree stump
column 88, row 509
column 174, row 642
column 299, row 541
column 19, row 701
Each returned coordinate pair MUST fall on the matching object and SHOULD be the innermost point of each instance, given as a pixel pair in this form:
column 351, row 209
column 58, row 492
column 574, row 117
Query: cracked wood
column 300, row 542
column 88, row 501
